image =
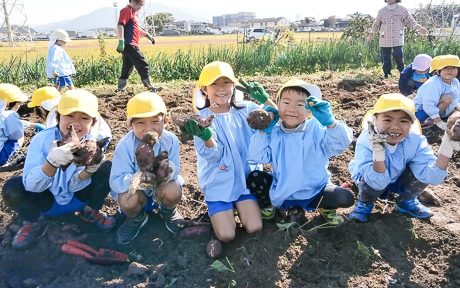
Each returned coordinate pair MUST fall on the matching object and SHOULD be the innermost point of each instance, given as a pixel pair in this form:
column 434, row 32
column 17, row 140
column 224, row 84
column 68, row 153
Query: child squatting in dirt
column 134, row 184
column 299, row 150
column 391, row 156
column 222, row 149
column 52, row 184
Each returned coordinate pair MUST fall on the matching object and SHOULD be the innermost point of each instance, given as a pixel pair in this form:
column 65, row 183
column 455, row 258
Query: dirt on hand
column 390, row 250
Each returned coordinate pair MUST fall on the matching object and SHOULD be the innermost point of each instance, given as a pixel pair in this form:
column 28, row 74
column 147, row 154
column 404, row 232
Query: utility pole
column 115, row 8
column 146, row 12
column 13, row 21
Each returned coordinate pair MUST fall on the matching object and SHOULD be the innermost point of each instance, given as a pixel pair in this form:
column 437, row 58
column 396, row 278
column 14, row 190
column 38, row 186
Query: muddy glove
column 39, row 127
column 442, row 125
column 150, row 37
column 268, row 130
column 448, row 146
column 378, row 142
column 256, row 91
column 92, row 169
column 321, row 110
column 191, row 127
column 121, row 46
column 61, row 156
column 147, row 180
column 165, row 172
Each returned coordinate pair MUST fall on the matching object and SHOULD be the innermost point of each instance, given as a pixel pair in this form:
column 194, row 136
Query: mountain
column 105, row 17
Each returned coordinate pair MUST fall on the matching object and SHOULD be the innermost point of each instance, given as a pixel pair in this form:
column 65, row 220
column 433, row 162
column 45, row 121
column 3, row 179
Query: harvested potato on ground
column 428, row 197
column 453, row 126
column 214, row 248
column 90, row 152
column 202, row 121
column 70, row 137
column 260, row 119
column 195, row 231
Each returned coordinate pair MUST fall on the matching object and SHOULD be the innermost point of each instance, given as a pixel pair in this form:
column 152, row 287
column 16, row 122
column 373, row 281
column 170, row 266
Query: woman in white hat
column 59, row 66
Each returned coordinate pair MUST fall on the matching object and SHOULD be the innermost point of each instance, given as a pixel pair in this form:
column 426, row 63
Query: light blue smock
column 222, row 169
column 300, row 159
column 10, row 127
column 412, row 150
column 64, row 183
column 124, row 164
column 58, row 60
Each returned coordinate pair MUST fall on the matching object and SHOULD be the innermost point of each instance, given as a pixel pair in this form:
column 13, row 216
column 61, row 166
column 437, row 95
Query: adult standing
column 390, row 23
column 129, row 32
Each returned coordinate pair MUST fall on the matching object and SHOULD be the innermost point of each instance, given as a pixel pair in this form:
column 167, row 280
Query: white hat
column 421, row 62
column 61, row 34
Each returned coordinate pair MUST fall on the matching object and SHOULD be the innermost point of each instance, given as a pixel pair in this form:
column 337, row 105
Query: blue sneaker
column 361, row 211
column 413, row 207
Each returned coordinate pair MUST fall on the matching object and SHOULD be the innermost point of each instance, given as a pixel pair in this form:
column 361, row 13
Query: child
column 59, row 66
column 11, row 127
column 414, row 75
column 45, row 188
column 45, row 100
column 392, row 158
column 222, row 149
column 390, row 23
column 129, row 32
column 299, row 150
column 146, row 112
column 440, row 95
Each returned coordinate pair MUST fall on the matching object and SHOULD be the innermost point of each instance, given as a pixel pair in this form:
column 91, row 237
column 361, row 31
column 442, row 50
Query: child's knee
column 171, row 192
column 253, row 227
column 446, row 98
column 225, row 235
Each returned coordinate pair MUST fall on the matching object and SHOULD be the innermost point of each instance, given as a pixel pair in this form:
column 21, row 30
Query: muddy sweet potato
column 90, row 152
column 194, row 231
column 202, row 121
column 453, row 126
column 214, row 248
column 145, row 156
column 70, row 137
column 260, row 119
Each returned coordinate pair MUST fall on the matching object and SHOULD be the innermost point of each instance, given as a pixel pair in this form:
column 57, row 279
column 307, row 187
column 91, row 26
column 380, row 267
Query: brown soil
column 389, row 250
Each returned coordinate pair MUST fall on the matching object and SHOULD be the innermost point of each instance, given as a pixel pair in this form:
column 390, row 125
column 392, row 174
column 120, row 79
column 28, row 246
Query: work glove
column 268, row 130
column 321, row 110
column 147, row 180
column 92, row 169
column 39, row 127
column 378, row 142
column 61, row 156
column 442, row 125
column 256, row 91
column 448, row 146
column 191, row 127
column 121, row 46
column 150, row 37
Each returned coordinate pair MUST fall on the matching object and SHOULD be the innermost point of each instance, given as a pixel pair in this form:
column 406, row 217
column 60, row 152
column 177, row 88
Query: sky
column 40, row 12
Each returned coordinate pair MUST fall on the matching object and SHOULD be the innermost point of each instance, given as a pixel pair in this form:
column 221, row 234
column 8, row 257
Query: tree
column 159, row 20
column 330, row 21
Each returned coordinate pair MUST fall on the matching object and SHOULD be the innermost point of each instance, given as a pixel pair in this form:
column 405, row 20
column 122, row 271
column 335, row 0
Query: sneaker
column 171, row 218
column 98, row 218
column 129, row 230
column 331, row 217
column 155, row 89
column 268, row 213
column 413, row 207
column 29, row 232
column 294, row 214
column 361, row 211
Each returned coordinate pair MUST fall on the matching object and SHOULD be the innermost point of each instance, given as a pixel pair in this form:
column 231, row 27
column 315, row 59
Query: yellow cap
column 145, row 104
column 11, row 93
column 392, row 102
column 78, row 100
column 42, row 94
column 214, row 71
column 61, row 34
column 442, row 61
column 312, row 89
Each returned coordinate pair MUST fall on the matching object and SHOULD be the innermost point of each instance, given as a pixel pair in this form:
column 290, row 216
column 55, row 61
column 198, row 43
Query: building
column 269, row 23
column 185, row 26
column 225, row 19
column 198, row 27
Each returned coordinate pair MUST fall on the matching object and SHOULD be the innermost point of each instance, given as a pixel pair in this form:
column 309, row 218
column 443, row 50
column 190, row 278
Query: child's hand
column 378, row 143
column 256, row 91
column 121, row 46
column 321, row 110
column 39, row 127
column 61, row 156
column 448, row 146
column 269, row 129
column 442, row 125
column 92, row 169
column 191, row 127
column 147, row 180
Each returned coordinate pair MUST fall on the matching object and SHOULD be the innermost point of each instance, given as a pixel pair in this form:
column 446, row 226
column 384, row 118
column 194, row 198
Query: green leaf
column 219, row 266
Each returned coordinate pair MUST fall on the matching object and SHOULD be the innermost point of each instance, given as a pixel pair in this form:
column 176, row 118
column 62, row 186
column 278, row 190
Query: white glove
column 411, row 96
column 92, row 169
column 146, row 180
column 448, row 146
column 61, row 156
column 442, row 125
column 457, row 107
column 378, row 143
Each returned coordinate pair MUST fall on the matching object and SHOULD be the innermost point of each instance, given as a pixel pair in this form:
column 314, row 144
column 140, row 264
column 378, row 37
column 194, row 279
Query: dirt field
column 391, row 250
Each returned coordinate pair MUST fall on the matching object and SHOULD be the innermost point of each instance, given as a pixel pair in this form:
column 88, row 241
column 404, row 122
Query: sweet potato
column 194, row 231
column 90, row 152
column 202, row 121
column 145, row 156
column 453, row 126
column 260, row 119
column 214, row 248
column 70, row 137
